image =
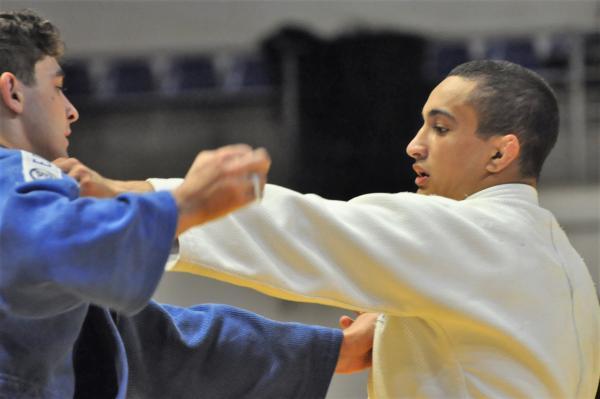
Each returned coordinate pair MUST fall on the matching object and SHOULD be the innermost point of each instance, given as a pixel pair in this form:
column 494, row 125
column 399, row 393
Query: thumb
column 345, row 322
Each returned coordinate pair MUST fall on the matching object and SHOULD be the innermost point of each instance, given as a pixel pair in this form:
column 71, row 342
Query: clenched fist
column 219, row 182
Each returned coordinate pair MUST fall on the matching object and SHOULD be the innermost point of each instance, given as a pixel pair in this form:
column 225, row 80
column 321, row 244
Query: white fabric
column 164, row 184
column 483, row 297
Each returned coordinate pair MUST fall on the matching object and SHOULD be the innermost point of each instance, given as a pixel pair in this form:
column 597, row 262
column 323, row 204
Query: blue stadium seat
column 248, row 72
column 518, row 50
column 447, row 56
column 77, row 78
column 191, row 73
column 131, row 76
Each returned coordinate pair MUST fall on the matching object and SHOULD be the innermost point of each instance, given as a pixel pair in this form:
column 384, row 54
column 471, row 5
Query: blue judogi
column 76, row 277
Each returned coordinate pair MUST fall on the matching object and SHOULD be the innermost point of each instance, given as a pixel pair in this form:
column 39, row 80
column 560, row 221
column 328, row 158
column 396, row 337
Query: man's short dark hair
column 508, row 99
column 26, row 38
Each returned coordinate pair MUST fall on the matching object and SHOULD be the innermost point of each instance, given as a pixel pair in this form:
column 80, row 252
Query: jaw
column 423, row 191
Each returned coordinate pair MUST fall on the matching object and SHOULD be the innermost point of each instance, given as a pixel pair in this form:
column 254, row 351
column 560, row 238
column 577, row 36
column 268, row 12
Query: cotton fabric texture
column 76, row 320
column 481, row 298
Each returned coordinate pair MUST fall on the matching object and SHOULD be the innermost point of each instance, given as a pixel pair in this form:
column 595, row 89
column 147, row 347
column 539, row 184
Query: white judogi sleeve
column 391, row 253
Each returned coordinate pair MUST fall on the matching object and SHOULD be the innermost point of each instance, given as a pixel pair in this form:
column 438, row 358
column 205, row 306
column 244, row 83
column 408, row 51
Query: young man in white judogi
column 480, row 291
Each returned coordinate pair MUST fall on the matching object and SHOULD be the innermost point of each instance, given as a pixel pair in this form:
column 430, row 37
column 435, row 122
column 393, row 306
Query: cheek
column 53, row 103
column 447, row 154
column 40, row 106
column 452, row 160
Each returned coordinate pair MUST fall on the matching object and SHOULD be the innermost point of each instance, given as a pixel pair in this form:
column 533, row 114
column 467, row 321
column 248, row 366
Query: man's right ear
column 10, row 92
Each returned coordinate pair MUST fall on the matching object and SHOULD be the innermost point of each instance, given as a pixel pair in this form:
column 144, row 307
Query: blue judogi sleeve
column 218, row 351
column 58, row 250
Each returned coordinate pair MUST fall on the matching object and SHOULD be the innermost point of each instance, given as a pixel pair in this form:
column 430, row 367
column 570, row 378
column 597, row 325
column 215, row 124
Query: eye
column 441, row 130
column 61, row 88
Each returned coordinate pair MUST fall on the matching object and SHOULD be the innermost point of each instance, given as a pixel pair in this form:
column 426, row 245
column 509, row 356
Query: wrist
column 189, row 213
column 342, row 362
column 129, row 186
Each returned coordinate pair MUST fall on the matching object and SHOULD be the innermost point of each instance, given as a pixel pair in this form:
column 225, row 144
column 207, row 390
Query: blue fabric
column 76, row 277
column 207, row 351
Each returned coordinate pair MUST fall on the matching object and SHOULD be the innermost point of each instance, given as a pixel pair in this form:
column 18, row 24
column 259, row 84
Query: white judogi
column 483, row 297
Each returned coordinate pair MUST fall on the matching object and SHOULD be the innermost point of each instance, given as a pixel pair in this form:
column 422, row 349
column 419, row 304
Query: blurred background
column 333, row 89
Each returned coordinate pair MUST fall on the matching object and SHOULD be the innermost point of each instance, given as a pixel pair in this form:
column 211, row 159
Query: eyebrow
column 437, row 111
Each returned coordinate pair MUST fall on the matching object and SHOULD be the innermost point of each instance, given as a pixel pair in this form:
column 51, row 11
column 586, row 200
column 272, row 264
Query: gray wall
column 134, row 26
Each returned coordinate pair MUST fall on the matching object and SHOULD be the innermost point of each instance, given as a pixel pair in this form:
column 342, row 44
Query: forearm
column 218, row 182
column 82, row 250
column 226, row 352
column 131, row 186
column 295, row 249
column 379, row 253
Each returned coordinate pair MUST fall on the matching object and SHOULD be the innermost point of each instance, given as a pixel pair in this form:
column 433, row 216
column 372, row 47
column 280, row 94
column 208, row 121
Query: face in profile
column 450, row 159
column 47, row 114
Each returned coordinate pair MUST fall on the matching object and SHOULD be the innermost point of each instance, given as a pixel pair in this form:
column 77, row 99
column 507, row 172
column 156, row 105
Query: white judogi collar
column 513, row 190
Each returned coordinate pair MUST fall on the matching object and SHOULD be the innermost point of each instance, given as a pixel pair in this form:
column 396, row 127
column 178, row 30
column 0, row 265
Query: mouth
column 422, row 176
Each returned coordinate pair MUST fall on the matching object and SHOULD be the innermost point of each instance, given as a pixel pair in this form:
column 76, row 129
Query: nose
column 72, row 113
column 417, row 148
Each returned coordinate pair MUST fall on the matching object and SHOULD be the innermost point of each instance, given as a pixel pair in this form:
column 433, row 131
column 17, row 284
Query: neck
column 497, row 181
column 12, row 135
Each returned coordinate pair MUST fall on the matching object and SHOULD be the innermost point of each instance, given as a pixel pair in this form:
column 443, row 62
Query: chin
column 52, row 155
column 425, row 191
column 60, row 152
